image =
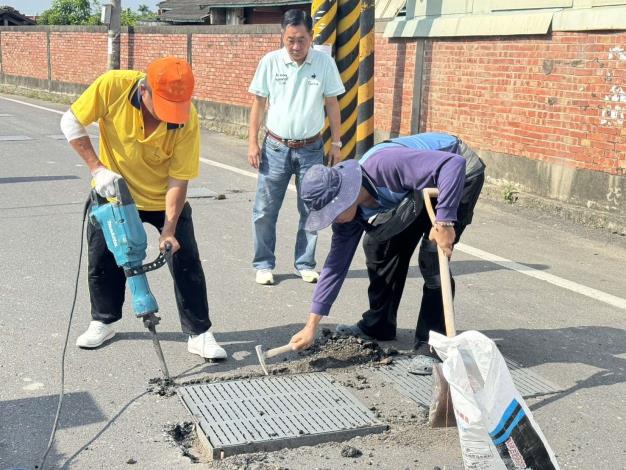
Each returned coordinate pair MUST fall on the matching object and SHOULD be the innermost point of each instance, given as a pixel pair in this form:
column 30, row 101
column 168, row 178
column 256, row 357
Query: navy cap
column 327, row 192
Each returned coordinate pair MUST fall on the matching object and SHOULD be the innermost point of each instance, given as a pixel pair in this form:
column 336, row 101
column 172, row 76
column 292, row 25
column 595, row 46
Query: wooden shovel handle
column 444, row 268
column 280, row 350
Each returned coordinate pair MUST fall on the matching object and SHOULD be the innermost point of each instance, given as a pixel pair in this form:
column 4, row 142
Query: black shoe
column 352, row 330
column 421, row 346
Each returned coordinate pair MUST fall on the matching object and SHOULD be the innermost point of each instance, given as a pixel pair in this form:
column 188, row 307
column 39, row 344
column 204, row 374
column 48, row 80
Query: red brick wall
column 393, row 84
column 538, row 98
column 25, row 54
column 77, row 57
column 138, row 50
column 224, row 65
column 556, row 99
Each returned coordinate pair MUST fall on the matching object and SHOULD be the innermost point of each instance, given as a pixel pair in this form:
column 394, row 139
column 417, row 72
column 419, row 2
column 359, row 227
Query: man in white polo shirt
column 299, row 82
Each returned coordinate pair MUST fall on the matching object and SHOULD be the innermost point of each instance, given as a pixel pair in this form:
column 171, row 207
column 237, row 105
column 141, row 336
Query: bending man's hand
column 444, row 237
column 105, row 181
column 304, row 338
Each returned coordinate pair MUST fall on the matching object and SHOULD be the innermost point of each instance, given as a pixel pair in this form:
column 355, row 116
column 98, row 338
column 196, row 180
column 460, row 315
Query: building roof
column 192, row 6
column 196, row 11
column 14, row 16
column 185, row 14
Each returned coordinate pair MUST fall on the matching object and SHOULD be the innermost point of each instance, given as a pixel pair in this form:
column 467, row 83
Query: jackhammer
column 126, row 239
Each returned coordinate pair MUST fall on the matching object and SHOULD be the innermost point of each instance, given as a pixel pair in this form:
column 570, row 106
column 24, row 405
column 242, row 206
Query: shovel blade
column 441, row 413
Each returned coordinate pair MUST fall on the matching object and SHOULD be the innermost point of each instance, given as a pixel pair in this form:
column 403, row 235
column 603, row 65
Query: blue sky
column 31, row 7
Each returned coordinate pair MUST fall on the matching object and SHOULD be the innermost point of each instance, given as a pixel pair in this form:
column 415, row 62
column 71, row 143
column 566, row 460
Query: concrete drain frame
column 419, row 387
column 272, row 413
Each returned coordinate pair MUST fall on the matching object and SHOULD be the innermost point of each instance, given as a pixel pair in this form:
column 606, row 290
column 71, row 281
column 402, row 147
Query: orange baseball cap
column 172, row 82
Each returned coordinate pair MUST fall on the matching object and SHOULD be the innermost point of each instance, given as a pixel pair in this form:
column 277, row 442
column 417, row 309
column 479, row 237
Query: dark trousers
column 107, row 281
column 388, row 264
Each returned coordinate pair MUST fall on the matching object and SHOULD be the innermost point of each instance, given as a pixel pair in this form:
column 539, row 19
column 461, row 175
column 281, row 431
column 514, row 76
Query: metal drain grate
column 419, row 387
column 276, row 412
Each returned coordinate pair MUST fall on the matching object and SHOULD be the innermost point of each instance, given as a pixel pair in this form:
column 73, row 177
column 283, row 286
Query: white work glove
column 105, row 181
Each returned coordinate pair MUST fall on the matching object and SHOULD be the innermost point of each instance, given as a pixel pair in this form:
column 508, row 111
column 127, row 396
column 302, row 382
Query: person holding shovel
column 381, row 196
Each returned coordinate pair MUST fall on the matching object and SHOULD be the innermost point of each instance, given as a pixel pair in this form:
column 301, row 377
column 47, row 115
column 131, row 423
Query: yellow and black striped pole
column 348, row 35
column 365, row 110
column 324, row 15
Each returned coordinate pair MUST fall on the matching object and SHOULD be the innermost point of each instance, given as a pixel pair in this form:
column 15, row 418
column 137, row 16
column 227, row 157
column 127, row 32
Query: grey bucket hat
column 327, row 192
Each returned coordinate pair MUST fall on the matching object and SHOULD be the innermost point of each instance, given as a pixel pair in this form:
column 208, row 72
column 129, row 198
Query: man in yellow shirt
column 149, row 135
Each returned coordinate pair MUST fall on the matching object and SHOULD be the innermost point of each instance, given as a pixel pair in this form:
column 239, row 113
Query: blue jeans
column 278, row 163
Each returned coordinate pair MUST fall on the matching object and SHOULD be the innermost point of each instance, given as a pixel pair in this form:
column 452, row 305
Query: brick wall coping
column 214, row 29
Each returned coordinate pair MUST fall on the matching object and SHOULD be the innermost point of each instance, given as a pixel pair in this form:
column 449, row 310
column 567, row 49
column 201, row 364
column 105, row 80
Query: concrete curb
column 46, row 95
column 575, row 214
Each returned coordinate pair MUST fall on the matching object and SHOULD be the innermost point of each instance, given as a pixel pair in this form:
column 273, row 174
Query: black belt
column 294, row 143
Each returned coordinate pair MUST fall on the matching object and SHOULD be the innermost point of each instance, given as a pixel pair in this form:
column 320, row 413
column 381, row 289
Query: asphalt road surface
column 552, row 294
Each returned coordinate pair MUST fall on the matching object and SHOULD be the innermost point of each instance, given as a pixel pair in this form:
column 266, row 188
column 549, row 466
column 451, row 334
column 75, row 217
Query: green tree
column 87, row 12
column 145, row 14
column 67, row 12
column 128, row 17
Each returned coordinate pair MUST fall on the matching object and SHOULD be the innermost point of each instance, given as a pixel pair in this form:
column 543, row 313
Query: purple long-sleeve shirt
column 395, row 172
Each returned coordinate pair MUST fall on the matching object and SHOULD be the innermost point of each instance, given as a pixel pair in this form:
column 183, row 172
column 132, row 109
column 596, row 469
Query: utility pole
column 114, row 34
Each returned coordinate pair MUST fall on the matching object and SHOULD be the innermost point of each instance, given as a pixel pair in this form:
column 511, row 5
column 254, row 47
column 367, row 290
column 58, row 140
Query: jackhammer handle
column 444, row 268
column 167, row 253
column 279, row 350
column 96, row 199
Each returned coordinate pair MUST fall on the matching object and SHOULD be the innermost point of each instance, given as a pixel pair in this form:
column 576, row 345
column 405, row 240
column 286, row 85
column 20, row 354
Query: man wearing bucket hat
column 381, row 196
column 149, row 135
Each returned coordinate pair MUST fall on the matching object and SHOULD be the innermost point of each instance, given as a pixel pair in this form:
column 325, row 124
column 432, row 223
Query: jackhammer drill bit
column 150, row 321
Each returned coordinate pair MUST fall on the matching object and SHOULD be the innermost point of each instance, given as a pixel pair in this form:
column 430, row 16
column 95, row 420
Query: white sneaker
column 96, row 334
column 205, row 345
column 308, row 275
column 264, row 277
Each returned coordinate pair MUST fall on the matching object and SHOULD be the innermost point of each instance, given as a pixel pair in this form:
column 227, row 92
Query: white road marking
column 14, row 138
column 35, row 106
column 240, row 355
column 250, row 174
column 31, row 387
column 504, row 262
column 31, row 105
column 543, row 276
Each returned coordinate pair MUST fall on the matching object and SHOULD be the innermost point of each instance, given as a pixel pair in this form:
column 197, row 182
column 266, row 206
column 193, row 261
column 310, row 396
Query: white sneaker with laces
column 206, row 346
column 96, row 334
column 308, row 275
column 264, row 277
